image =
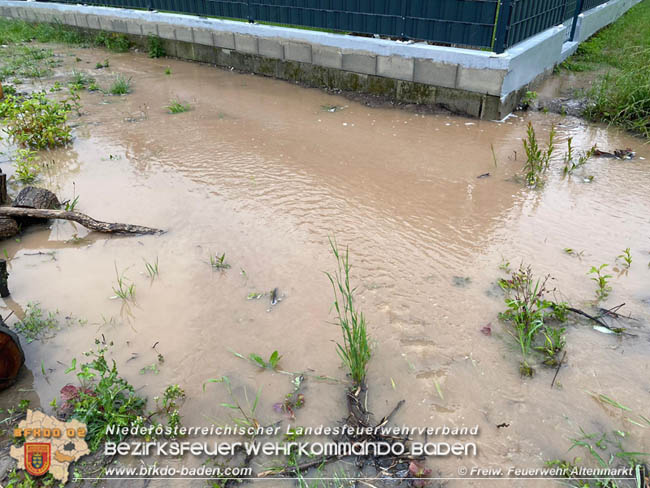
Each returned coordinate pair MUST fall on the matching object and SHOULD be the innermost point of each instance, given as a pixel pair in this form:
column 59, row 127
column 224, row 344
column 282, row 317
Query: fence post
column 579, row 5
column 251, row 17
column 502, row 24
column 402, row 22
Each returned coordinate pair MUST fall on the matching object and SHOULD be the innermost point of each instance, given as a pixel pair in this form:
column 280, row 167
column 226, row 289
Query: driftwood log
column 12, row 357
column 78, row 217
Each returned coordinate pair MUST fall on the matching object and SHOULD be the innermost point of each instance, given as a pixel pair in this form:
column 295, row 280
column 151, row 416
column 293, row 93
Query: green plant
column 151, row 268
column 537, row 161
column 528, row 311
column 602, row 280
column 219, row 262
column 103, row 65
column 570, row 163
column 272, row 363
column 113, row 42
column 355, row 350
column 36, row 323
column 176, row 107
column 626, row 257
column 70, row 205
column 123, row 290
column 26, row 169
column 80, row 80
column 168, row 71
column 155, row 46
column 246, row 417
column 36, row 122
column 168, row 406
column 120, row 86
column 528, row 99
column 103, row 399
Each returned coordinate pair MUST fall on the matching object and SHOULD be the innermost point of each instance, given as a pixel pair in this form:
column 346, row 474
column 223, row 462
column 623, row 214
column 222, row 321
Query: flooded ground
column 260, row 171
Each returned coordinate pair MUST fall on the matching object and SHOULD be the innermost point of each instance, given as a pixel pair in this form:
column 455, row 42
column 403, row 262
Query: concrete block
column 134, row 28
column 120, row 26
column 297, row 51
column 203, row 37
column 184, row 50
column 93, row 22
column 245, row 43
column 434, row 73
column 224, row 40
column 206, row 54
column 82, row 21
column 460, row 101
column 396, row 67
column 365, row 63
column 378, row 85
column 492, row 108
column 410, row 92
column 270, row 48
column 69, row 19
column 166, row 31
column 184, row 34
column 105, row 23
column 487, row 81
column 149, row 28
column 327, row 57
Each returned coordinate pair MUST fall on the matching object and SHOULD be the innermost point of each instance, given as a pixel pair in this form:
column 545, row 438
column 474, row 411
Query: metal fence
column 486, row 24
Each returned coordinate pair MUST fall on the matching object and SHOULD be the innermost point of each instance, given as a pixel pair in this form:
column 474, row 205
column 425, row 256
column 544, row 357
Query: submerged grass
column 120, row 86
column 355, row 350
column 622, row 95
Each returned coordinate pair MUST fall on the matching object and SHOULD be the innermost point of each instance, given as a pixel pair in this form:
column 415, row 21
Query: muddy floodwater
column 262, row 171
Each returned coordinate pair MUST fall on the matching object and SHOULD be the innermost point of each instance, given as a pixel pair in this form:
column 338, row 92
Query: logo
column 51, row 445
column 37, row 458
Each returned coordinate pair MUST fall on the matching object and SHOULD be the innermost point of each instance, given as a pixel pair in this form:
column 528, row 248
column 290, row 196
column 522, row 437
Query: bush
column 155, row 47
column 36, row 122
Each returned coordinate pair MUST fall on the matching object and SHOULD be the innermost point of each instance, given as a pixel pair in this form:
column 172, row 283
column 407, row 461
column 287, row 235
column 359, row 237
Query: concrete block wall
column 471, row 82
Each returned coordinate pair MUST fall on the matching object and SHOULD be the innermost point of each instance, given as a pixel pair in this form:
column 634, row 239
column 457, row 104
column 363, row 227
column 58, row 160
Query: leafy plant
column 26, row 170
column 36, row 122
column 118, row 43
column 528, row 99
column 120, row 86
column 168, row 71
column 151, row 268
column 123, row 290
column 246, row 417
column 570, row 163
column 155, row 46
column 103, row 399
column 602, row 280
column 70, row 205
column 176, row 107
column 80, row 80
column 537, row 161
column 36, row 322
column 272, row 363
column 219, row 262
column 626, row 257
column 355, row 350
column 103, row 65
column 529, row 311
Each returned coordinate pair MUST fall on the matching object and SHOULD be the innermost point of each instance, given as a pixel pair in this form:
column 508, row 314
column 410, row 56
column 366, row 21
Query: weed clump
column 36, row 324
column 36, row 122
column 177, row 107
column 155, row 47
column 530, row 315
column 537, row 160
column 118, row 43
column 120, row 86
column 355, row 350
column 26, row 170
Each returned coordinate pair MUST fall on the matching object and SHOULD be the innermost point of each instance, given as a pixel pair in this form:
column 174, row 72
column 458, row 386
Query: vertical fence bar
column 502, row 24
column 402, row 21
column 579, row 4
column 249, row 12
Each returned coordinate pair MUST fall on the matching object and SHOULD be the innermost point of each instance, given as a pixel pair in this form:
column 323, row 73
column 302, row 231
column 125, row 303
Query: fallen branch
column 83, row 219
column 558, row 369
column 590, row 317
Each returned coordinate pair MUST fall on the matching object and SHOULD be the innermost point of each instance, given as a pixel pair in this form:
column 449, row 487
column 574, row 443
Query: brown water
column 258, row 170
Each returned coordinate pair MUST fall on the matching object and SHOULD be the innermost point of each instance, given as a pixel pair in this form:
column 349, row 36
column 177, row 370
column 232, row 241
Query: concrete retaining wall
column 471, row 82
